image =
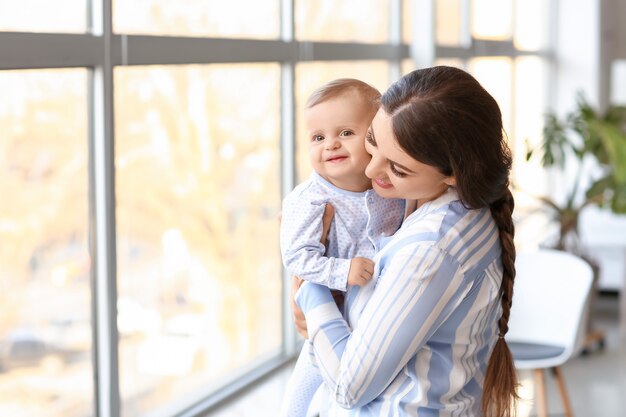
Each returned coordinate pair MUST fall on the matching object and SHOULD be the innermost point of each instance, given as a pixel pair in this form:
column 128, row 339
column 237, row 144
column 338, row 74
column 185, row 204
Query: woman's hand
column 298, row 316
column 327, row 219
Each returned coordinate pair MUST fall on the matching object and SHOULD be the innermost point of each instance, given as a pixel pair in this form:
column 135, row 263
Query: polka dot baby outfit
column 361, row 219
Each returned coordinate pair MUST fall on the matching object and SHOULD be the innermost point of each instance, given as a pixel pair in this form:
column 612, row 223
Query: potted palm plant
column 591, row 144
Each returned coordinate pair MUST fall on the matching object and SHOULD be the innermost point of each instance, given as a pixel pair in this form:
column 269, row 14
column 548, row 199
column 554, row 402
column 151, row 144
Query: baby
column 337, row 117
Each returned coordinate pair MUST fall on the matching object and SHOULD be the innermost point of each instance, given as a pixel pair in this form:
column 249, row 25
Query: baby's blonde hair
column 341, row 86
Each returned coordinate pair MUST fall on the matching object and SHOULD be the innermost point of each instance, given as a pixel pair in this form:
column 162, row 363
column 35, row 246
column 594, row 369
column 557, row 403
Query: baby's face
column 336, row 131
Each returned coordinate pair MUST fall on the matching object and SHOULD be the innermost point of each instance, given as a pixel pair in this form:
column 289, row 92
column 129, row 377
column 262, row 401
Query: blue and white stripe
column 417, row 338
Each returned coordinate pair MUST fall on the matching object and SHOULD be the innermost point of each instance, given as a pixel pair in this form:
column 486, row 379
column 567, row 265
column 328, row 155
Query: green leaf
column 613, row 141
column 618, row 201
column 581, row 134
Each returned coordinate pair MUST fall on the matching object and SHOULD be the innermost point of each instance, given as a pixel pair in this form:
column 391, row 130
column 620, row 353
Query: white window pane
column 530, row 107
column 407, row 20
column 217, row 18
column 492, row 19
column 45, row 301
column 530, row 24
column 496, row 76
column 198, row 194
column 449, row 23
column 68, row 16
column 342, row 20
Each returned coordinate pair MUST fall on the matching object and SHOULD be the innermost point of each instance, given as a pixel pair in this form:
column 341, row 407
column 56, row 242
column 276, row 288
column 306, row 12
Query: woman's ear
column 450, row 181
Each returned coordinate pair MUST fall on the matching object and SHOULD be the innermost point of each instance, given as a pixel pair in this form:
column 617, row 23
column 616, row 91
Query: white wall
column 577, row 40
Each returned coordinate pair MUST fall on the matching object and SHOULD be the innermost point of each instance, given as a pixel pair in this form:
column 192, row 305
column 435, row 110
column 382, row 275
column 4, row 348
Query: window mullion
column 104, row 241
column 395, row 36
column 287, row 152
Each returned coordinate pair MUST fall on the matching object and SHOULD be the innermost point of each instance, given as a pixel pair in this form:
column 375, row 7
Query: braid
column 502, row 211
column 500, row 387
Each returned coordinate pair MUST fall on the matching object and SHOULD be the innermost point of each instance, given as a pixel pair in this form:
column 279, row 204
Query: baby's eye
column 346, row 133
column 317, row 138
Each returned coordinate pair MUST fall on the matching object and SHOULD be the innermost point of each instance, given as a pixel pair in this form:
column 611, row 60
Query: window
column 146, row 147
column 196, row 261
column 216, row 18
column 449, row 26
column 43, row 16
column 45, row 302
column 342, row 20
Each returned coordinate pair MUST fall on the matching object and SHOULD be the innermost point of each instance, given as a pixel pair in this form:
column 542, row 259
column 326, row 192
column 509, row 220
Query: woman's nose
column 374, row 167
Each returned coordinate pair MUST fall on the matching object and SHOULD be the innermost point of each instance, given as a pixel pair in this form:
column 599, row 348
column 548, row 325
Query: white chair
column 548, row 317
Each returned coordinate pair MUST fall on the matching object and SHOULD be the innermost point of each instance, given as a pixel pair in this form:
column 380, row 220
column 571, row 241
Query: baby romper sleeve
column 302, row 252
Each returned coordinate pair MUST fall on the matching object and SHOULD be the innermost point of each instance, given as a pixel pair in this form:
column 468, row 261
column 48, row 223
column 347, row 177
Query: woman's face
column 394, row 173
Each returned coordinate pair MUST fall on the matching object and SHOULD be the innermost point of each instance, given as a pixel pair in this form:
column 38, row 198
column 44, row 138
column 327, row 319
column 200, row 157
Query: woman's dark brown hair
column 443, row 117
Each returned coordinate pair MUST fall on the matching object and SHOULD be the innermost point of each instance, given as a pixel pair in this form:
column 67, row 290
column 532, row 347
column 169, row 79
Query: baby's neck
column 356, row 184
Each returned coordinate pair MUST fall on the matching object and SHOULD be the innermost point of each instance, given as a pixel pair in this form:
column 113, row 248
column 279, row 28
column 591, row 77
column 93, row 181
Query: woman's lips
column 382, row 183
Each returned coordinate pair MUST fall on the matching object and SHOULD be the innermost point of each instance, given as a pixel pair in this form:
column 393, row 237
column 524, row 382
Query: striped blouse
column 418, row 337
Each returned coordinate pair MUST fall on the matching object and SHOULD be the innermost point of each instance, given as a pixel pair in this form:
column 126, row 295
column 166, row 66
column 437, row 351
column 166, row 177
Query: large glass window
column 45, row 298
column 342, row 20
column 43, row 16
column 216, row 18
column 530, row 28
column 198, row 195
column 449, row 24
column 492, row 19
column 496, row 75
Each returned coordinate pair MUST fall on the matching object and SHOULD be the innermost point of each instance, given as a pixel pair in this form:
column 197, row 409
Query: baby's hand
column 361, row 270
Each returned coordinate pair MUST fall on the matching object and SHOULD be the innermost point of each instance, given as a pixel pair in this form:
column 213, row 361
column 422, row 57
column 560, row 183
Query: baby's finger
column 365, row 280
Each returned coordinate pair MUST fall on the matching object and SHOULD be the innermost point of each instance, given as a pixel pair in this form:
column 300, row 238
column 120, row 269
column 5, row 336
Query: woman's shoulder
column 450, row 227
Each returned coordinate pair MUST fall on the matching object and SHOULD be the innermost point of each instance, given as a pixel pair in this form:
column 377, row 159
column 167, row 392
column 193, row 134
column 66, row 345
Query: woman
column 426, row 338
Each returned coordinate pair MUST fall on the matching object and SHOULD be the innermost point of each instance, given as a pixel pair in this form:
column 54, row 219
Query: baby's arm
column 302, row 252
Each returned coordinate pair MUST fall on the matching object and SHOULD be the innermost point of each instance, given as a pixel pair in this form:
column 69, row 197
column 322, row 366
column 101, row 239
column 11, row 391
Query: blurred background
column 145, row 146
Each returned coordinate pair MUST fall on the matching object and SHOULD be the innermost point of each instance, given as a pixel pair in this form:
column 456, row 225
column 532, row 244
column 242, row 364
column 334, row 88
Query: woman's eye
column 370, row 138
column 346, row 133
column 317, row 138
column 395, row 171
